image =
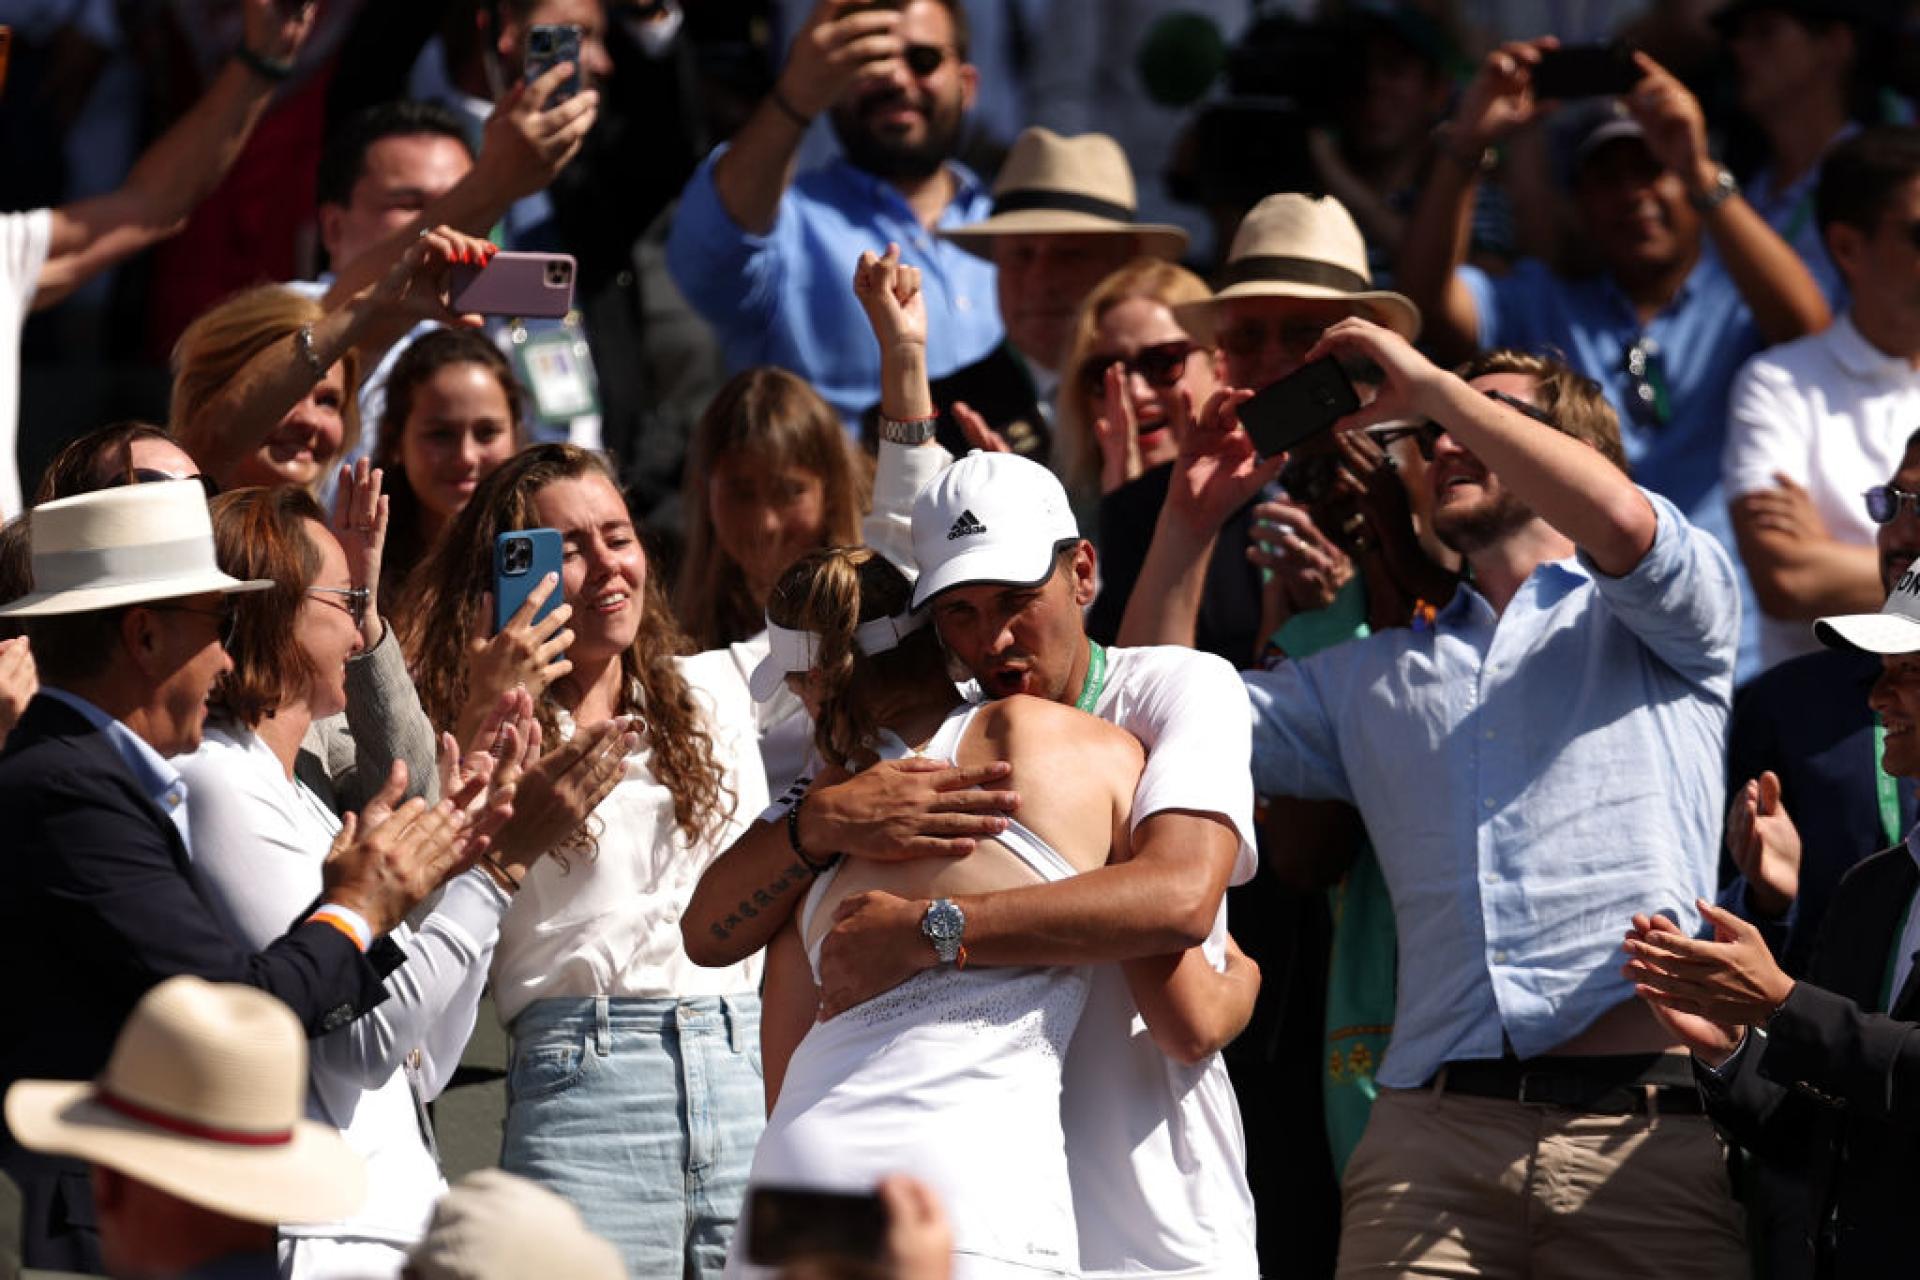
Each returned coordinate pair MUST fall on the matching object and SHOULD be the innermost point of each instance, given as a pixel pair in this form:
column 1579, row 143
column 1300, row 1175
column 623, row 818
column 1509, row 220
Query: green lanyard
column 1096, row 677
column 1886, row 786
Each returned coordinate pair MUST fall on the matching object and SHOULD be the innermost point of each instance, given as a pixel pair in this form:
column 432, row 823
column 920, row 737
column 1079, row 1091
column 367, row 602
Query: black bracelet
column 816, row 866
column 264, row 67
column 788, row 110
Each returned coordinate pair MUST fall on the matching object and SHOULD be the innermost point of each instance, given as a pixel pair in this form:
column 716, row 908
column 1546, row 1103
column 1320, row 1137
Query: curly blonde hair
column 441, row 616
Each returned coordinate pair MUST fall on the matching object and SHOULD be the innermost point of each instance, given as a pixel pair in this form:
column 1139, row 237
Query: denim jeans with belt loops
column 644, row 1113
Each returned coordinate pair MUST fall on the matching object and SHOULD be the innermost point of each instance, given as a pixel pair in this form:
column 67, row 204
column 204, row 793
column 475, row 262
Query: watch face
column 943, row 921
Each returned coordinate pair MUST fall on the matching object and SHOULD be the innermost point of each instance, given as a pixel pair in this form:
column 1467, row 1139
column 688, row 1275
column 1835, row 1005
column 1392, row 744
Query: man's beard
column 895, row 161
column 1481, row 525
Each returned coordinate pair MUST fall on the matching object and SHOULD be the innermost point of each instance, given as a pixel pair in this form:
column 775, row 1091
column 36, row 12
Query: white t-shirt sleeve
column 1769, row 430
column 1188, row 709
column 24, row 241
column 899, row 475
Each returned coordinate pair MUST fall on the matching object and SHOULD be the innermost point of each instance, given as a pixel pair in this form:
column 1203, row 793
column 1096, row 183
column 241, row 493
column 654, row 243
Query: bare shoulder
column 1033, row 733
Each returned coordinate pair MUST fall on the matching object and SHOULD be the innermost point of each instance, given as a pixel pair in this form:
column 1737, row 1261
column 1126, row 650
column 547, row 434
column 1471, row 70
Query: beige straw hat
column 495, row 1226
column 123, row 546
column 204, row 1098
column 1052, row 185
column 1296, row 246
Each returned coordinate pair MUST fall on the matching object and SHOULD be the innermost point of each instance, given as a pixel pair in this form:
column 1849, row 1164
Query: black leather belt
column 1609, row 1085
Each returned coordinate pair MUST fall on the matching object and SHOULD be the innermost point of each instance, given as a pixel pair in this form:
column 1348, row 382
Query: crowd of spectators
column 1501, row 854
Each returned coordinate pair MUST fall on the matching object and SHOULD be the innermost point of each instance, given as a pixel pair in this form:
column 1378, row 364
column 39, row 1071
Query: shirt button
column 1487, row 803
column 1493, row 877
column 963, row 303
column 1489, row 735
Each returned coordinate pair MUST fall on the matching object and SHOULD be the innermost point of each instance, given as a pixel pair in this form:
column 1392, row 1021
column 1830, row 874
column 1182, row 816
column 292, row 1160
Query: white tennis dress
column 953, row 1077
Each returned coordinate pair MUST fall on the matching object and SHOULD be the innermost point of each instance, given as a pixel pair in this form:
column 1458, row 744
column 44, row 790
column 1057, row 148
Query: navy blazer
column 1836, row 1089
column 99, row 901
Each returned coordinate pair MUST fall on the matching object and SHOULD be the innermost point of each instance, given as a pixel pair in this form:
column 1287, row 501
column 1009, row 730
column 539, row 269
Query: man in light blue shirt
column 767, row 258
column 1543, row 755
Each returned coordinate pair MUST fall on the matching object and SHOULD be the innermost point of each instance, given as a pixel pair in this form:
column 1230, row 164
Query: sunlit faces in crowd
column 327, row 628
column 180, row 647
column 1160, row 359
column 399, row 176
column 1472, row 509
column 902, row 119
column 603, row 569
column 1262, row 340
column 1042, row 280
column 1634, row 210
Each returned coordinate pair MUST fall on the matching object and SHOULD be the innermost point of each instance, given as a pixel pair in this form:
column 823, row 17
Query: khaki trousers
column 1448, row 1185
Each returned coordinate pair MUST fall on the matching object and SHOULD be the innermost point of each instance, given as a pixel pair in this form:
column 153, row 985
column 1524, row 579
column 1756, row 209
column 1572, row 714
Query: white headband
column 792, row 652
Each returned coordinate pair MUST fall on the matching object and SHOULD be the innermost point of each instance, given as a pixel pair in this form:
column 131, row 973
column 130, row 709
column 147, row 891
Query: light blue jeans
column 644, row 1113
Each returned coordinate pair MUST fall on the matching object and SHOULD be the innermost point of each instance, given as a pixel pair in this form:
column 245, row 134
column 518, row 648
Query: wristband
column 268, row 69
column 908, row 430
column 815, row 865
column 787, row 109
column 347, row 921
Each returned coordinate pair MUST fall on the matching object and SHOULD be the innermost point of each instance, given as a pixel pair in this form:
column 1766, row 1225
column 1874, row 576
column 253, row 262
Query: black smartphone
column 788, row 1223
column 1586, row 71
column 1299, row 406
column 548, row 45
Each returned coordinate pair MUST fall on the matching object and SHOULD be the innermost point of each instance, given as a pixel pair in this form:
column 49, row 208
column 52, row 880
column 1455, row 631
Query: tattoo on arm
column 792, row 876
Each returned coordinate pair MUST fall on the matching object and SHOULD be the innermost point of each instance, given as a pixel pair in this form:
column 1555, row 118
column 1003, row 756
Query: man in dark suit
column 1822, row 1073
column 99, row 898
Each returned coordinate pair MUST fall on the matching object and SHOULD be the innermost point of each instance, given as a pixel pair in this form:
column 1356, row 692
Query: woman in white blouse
column 259, row 836
column 634, row 1084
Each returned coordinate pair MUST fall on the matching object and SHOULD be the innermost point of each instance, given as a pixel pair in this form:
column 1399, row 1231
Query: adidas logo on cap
column 965, row 527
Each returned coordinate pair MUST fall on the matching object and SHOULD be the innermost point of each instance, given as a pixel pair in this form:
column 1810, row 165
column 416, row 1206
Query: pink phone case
column 515, row 284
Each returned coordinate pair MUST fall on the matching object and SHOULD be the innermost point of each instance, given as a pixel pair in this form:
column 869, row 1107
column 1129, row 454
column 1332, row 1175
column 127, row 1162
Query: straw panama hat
column 1296, row 246
column 1052, row 185
column 204, row 1098
column 123, row 546
column 495, row 1226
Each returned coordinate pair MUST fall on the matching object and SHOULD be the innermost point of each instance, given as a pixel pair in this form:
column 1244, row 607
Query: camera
column 516, row 557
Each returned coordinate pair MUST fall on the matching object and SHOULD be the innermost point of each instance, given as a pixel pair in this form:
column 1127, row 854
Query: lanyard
column 1887, row 788
column 1096, row 677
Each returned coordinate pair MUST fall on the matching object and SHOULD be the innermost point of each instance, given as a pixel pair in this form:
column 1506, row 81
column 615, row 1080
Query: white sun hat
column 990, row 517
column 121, row 546
column 1895, row 629
column 204, row 1098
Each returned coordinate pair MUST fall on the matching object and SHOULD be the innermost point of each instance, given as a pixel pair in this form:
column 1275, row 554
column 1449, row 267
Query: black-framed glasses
column 1160, row 364
column 147, row 475
column 1884, row 503
column 925, row 59
column 352, row 600
column 1250, row 337
column 1647, row 397
column 226, row 616
column 1425, row 435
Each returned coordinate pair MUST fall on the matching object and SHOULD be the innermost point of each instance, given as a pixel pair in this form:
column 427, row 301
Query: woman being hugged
column 634, row 1086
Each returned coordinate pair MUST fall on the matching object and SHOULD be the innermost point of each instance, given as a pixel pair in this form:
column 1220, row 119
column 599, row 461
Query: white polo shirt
column 1832, row 412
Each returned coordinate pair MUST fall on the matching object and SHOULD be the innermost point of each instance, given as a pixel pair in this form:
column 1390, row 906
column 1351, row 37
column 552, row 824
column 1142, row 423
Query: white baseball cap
column 1895, row 629
column 990, row 517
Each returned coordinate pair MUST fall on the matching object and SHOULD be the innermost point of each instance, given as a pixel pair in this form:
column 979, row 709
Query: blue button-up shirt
column 158, row 780
column 1703, row 337
column 1528, row 780
column 786, row 298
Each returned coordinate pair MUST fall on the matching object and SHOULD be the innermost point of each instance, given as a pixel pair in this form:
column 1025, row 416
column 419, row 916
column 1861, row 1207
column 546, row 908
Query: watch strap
column 908, row 430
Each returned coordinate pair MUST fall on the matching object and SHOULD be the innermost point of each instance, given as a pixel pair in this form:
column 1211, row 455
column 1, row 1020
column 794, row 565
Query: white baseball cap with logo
column 989, row 518
column 1895, row 629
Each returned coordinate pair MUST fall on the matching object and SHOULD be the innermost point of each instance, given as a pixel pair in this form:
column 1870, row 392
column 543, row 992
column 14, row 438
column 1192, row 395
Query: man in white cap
column 1822, row 1074
column 1063, row 220
column 195, row 1135
column 99, row 898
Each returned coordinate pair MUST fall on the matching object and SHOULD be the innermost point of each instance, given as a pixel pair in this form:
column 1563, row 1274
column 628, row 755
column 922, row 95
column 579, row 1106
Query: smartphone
column 1300, row 406
column 515, row 284
column 520, row 560
column 548, row 45
column 1586, row 71
column 785, row 1224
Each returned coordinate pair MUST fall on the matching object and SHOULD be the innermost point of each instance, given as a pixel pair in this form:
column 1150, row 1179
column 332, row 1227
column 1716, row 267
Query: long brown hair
column 441, row 616
column 777, row 421
column 830, row 592
column 261, row 533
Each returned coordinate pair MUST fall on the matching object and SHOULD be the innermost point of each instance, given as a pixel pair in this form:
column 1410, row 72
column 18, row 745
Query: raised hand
column 889, row 292
column 976, row 430
column 276, row 30
column 842, row 41
column 525, row 653
column 1674, row 125
column 524, row 145
column 1765, row 845
column 1499, row 100
column 419, row 286
column 1217, row 470
column 360, row 524
column 1117, row 432
column 1410, row 381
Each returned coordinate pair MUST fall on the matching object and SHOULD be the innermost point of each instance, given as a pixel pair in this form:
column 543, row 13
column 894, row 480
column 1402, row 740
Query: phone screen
column 1585, row 71
column 787, row 1223
column 1299, row 406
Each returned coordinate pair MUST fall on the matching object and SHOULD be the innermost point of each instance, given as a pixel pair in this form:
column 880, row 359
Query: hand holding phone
column 1299, row 406
column 785, row 1224
column 1586, row 71
column 527, row 285
column 522, row 559
column 548, row 45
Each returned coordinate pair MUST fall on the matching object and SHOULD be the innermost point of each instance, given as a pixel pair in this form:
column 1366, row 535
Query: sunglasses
column 353, row 600
column 1427, row 434
column 1250, row 337
column 925, row 59
column 1160, row 364
column 147, row 475
column 226, row 615
column 1884, row 503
